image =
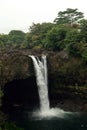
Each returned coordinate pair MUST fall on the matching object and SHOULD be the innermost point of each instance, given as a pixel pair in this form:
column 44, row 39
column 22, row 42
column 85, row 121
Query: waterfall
column 45, row 111
column 45, row 69
column 40, row 67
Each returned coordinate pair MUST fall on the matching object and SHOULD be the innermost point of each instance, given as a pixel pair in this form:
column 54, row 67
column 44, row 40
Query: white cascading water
column 42, row 83
column 41, row 77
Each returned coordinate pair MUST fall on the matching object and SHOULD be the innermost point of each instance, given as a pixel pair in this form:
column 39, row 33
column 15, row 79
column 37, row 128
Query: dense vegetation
column 67, row 32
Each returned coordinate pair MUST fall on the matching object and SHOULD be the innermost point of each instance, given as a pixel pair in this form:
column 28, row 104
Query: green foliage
column 2, row 119
column 72, row 42
column 83, row 30
column 11, row 126
column 56, row 37
column 69, row 16
column 73, row 49
column 83, row 25
column 84, row 54
column 37, row 35
column 68, row 32
column 3, row 40
column 16, row 37
column 27, row 43
column 72, row 36
column 37, row 48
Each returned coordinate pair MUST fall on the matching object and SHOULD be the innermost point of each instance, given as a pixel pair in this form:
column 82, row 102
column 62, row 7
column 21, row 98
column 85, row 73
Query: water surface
column 24, row 119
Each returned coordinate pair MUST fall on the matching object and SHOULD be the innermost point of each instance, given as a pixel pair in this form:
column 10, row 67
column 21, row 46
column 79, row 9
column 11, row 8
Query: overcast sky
column 20, row 14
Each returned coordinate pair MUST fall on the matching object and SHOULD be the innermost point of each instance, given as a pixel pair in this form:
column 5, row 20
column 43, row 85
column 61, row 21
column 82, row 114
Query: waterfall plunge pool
column 28, row 116
column 29, row 121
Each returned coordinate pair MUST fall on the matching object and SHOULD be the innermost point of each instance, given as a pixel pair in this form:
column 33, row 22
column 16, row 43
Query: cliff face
column 16, row 64
column 67, row 75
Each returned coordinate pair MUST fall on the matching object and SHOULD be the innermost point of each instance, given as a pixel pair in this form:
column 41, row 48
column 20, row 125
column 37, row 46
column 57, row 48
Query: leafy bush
column 84, row 55
column 11, row 126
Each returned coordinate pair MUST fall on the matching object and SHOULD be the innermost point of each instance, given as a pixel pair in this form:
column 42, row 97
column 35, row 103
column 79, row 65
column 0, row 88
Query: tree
column 56, row 37
column 84, row 54
column 73, row 36
column 83, row 30
column 16, row 37
column 35, row 29
column 70, row 16
column 37, row 34
column 3, row 39
column 83, row 25
column 27, row 43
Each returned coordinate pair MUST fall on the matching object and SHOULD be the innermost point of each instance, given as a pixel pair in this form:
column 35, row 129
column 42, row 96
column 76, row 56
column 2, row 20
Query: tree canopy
column 16, row 37
column 67, row 32
column 70, row 16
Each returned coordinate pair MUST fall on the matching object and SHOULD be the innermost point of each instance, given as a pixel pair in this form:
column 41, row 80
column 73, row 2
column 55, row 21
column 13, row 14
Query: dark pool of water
column 23, row 118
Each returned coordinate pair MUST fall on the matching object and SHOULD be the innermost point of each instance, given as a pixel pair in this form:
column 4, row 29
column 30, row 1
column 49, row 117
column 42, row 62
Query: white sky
column 20, row 14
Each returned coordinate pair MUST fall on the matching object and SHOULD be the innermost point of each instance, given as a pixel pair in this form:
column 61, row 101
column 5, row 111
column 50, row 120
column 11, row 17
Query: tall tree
column 38, row 33
column 16, row 37
column 70, row 16
column 55, row 37
column 83, row 25
column 3, row 39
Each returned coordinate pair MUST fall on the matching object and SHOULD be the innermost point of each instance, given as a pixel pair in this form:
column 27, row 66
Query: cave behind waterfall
column 21, row 92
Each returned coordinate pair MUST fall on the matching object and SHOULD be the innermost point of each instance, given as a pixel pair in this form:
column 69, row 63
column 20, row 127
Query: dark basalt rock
column 63, row 71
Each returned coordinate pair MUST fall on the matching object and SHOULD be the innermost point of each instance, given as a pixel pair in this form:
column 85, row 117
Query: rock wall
column 15, row 64
column 63, row 71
